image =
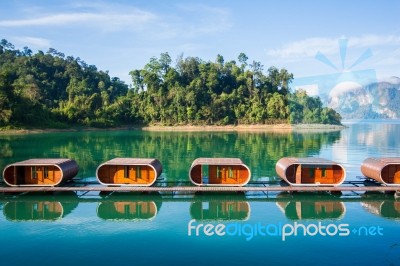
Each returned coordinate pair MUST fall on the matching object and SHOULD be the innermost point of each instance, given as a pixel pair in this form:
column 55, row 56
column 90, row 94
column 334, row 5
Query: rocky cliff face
column 376, row 100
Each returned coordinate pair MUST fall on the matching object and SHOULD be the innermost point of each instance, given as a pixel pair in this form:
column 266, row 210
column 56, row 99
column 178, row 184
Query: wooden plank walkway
column 100, row 188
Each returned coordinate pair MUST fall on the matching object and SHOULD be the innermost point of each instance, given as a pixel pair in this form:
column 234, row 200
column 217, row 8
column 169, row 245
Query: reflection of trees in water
column 175, row 150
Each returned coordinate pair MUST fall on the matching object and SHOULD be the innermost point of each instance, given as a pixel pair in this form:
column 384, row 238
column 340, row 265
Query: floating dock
column 165, row 187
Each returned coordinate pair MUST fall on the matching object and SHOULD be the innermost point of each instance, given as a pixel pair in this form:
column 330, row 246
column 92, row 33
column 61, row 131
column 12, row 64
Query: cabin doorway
column 19, row 176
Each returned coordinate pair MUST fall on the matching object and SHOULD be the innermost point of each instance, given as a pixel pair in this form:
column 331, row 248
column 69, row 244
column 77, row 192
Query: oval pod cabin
column 219, row 172
column 383, row 170
column 310, row 172
column 40, row 172
column 129, row 172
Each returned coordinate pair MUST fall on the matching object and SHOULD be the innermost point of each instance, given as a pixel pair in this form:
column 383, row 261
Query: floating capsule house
column 219, row 172
column 129, row 172
column 310, row 172
column 40, row 172
column 383, row 170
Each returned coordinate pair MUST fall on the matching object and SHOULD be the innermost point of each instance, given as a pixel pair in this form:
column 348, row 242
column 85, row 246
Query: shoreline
column 248, row 128
column 279, row 128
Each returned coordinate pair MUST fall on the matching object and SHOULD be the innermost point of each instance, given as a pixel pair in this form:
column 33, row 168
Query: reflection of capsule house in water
column 383, row 170
column 129, row 171
column 381, row 205
column 310, row 172
column 125, row 206
column 40, row 172
column 219, row 172
column 34, row 208
column 299, row 207
column 219, row 208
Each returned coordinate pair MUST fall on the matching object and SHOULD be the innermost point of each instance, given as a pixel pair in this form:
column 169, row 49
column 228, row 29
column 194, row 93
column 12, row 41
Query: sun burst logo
column 331, row 87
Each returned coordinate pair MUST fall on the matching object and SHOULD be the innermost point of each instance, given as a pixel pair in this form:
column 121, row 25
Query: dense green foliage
column 51, row 90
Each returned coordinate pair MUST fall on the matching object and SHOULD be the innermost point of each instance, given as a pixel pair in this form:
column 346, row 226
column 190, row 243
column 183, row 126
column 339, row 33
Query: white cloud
column 131, row 19
column 305, row 48
column 203, row 20
column 309, row 47
column 374, row 40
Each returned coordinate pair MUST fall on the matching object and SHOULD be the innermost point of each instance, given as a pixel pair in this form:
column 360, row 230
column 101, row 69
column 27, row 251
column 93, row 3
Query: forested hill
column 53, row 90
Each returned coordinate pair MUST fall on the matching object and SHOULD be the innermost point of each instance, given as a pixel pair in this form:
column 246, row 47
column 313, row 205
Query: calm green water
column 153, row 229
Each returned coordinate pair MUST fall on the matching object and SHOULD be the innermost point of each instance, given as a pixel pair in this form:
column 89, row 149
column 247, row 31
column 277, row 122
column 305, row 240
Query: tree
column 276, row 107
column 243, row 60
column 165, row 62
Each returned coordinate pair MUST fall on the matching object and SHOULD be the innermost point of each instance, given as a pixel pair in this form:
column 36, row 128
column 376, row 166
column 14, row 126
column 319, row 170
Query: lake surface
column 191, row 229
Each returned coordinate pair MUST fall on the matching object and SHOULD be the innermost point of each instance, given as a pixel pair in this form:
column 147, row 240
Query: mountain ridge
column 377, row 100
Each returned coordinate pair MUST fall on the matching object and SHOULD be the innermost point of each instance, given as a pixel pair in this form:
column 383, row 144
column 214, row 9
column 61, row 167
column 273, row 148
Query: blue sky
column 120, row 36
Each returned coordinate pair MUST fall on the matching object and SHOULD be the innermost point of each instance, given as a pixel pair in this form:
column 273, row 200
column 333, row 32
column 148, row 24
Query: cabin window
column 218, row 172
column 323, row 172
column 126, row 172
column 46, row 172
column 33, row 172
column 138, row 172
column 230, row 172
column 311, row 172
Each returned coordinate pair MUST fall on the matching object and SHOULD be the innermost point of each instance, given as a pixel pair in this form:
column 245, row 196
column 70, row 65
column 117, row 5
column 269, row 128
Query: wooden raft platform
column 100, row 188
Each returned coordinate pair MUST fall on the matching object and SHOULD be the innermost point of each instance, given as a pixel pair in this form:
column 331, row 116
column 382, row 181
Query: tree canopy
column 53, row 90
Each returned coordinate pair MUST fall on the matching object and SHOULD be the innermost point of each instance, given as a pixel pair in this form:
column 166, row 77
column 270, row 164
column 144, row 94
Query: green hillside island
column 51, row 90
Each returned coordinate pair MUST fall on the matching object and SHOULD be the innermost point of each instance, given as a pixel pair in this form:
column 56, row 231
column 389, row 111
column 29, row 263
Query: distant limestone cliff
column 378, row 100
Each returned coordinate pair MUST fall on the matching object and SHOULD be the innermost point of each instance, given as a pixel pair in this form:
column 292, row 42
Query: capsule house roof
column 40, row 172
column 217, row 161
column 306, row 160
column 385, row 170
column 44, row 161
column 130, row 161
